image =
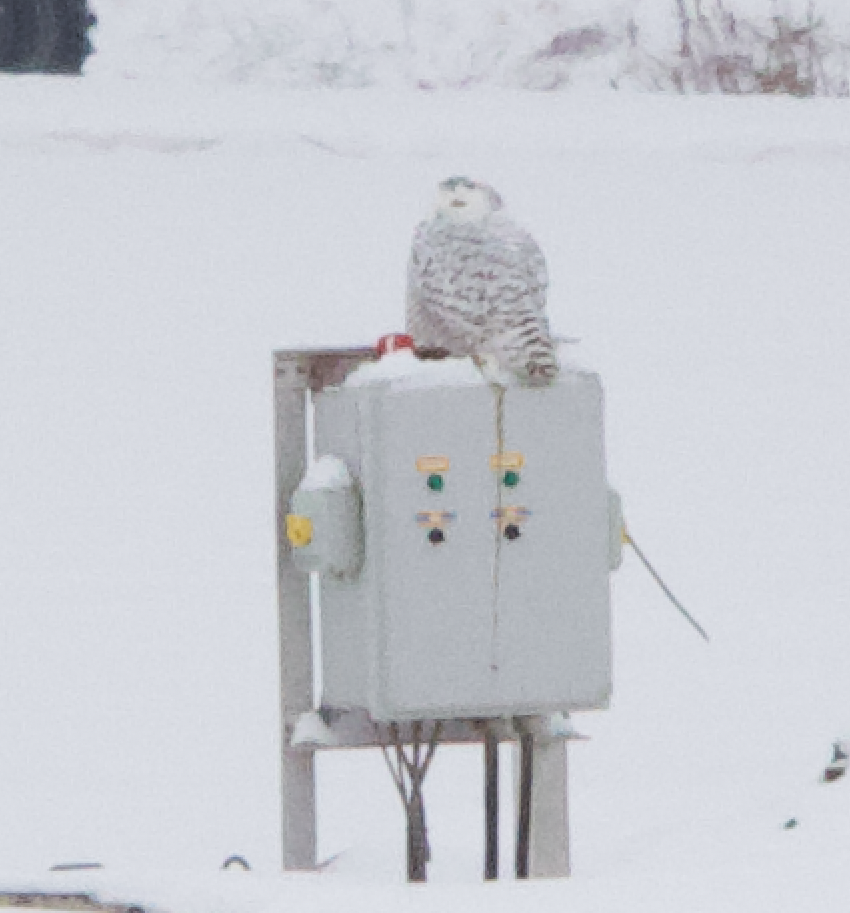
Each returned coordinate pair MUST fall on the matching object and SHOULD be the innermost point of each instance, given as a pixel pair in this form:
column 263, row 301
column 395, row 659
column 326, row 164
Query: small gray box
column 478, row 619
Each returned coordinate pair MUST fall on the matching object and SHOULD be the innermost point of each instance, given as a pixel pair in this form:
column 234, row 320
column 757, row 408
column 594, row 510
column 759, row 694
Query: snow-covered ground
column 159, row 241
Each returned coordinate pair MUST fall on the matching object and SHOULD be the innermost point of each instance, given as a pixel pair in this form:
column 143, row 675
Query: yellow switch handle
column 299, row 530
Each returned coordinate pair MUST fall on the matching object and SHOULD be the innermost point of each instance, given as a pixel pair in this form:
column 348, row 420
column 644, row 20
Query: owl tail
column 513, row 357
column 542, row 369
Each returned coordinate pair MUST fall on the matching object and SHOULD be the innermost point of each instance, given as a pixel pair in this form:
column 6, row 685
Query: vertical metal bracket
column 296, row 372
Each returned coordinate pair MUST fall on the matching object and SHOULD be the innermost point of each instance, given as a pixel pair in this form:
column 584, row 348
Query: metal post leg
column 298, row 787
column 491, row 806
column 298, row 782
column 523, row 835
column 550, row 838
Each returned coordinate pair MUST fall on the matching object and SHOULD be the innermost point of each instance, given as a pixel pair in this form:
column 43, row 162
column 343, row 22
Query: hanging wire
column 408, row 774
column 627, row 538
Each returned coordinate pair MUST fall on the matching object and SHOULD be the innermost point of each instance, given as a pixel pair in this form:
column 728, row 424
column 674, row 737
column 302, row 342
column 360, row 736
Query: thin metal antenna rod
column 627, row 538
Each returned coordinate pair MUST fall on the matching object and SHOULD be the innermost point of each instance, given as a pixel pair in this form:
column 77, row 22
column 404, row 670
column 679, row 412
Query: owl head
column 461, row 199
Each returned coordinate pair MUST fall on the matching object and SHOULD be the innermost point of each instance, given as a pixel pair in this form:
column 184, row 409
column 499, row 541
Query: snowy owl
column 476, row 286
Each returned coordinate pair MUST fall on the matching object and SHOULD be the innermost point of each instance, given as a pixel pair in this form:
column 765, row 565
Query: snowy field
column 158, row 242
column 536, row 44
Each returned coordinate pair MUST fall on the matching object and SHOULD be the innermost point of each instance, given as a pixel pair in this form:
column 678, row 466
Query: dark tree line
column 44, row 36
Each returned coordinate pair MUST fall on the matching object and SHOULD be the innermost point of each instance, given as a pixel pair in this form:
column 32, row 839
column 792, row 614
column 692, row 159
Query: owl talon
column 539, row 375
column 432, row 353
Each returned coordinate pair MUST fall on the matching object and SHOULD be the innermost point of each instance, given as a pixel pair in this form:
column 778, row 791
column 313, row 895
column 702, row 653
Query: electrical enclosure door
column 553, row 601
column 485, row 587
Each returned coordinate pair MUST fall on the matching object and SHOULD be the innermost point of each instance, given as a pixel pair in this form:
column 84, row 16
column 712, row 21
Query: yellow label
column 511, row 514
column 432, row 464
column 517, row 514
column 299, row 530
column 511, row 459
column 435, row 517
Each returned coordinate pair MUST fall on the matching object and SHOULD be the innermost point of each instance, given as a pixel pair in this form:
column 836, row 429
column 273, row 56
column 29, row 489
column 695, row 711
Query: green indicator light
column 435, row 482
column 511, row 478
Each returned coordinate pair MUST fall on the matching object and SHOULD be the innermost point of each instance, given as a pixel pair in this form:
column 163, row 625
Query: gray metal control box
column 484, row 589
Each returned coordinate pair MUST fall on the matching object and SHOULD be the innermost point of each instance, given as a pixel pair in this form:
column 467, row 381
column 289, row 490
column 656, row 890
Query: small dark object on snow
column 64, row 902
column 790, row 823
column 837, row 767
column 236, row 862
column 75, row 866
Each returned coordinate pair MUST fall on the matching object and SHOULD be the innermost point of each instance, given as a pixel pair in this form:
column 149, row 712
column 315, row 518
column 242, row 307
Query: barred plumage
column 477, row 285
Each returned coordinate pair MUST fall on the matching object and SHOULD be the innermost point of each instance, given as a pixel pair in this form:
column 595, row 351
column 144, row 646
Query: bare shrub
column 698, row 46
column 720, row 52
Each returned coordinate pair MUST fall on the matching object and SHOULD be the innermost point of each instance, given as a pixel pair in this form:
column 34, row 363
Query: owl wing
column 538, row 275
column 436, row 314
column 533, row 263
column 518, row 332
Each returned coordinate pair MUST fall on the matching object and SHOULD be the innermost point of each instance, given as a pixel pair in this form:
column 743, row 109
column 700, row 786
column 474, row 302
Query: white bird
column 476, row 286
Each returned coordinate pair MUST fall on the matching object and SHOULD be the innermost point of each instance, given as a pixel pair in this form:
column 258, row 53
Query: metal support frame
column 549, row 834
column 491, row 805
column 296, row 667
column 540, row 799
column 523, row 827
column 295, row 373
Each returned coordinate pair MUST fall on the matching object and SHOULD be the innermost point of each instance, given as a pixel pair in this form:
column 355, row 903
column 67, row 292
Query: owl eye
column 454, row 183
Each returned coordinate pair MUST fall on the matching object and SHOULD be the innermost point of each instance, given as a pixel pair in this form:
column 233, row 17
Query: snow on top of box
column 327, row 472
column 404, row 370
